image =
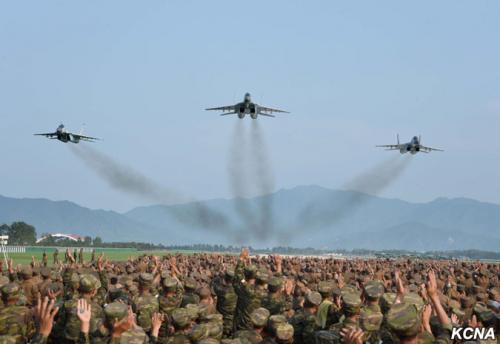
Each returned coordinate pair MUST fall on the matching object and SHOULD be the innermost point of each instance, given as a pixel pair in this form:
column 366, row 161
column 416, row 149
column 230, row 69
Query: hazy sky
column 353, row 74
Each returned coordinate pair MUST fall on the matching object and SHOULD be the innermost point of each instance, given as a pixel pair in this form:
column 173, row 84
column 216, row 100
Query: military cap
column 313, row 298
column 458, row 312
column 88, row 283
column 215, row 329
column 325, row 288
column 145, row 279
column 250, row 272
column 181, row 318
column 327, row 337
column 374, row 289
column 275, row 283
column 262, row 276
column 387, row 300
column 275, row 320
column 351, row 302
column 414, row 299
column 116, row 310
column 45, row 272
column 370, row 320
column 170, row 283
column 26, row 271
column 229, row 274
column 211, row 317
column 3, row 280
column 11, row 291
column 404, row 319
column 199, row 332
column 190, row 284
column 466, row 302
column 259, row 317
column 348, row 289
column 193, row 311
column 284, row 332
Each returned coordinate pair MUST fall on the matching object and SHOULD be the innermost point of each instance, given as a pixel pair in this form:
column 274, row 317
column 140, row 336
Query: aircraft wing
column 390, row 147
column 49, row 135
column 271, row 110
column 230, row 108
column 429, row 149
column 83, row 137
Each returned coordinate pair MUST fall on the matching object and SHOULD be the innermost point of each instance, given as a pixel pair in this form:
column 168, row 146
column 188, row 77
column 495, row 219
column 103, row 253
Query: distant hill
column 331, row 219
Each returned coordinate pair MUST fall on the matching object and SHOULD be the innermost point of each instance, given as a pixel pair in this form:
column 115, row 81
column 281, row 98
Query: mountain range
column 304, row 216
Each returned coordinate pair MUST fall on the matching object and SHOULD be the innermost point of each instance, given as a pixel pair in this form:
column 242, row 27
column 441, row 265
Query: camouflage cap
column 88, row 283
column 370, row 320
column 10, row 291
column 216, row 317
column 215, row 329
column 181, row 318
column 351, row 302
column 386, row 301
column 259, row 317
column 193, row 311
column 327, row 337
column 325, row 288
column 284, row 332
column 404, row 319
column 275, row 283
column 116, row 310
column 374, row 289
column 229, row 274
column 199, row 332
column 313, row 298
column 262, row 276
column 45, row 272
column 250, row 271
column 274, row 321
column 170, row 284
column 414, row 299
column 190, row 284
column 26, row 271
column 145, row 279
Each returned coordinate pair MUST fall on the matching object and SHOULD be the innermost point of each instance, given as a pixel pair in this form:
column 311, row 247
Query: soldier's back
column 16, row 321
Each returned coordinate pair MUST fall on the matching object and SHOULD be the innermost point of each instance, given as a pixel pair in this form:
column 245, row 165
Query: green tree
column 87, row 241
column 21, row 233
column 97, row 241
column 4, row 229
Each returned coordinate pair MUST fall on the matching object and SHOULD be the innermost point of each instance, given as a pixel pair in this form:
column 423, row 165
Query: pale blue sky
column 353, row 74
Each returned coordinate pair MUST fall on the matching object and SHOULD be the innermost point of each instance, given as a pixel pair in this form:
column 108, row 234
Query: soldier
column 92, row 258
column 15, row 321
column 259, row 318
column 305, row 322
column 44, row 258
column 169, row 301
column 351, row 305
column 371, row 315
column 29, row 285
column 46, row 281
column 226, row 300
column 145, row 304
column 55, row 256
column 249, row 296
column 80, row 256
column 190, row 295
column 329, row 308
column 68, row 324
column 182, row 326
column 278, row 300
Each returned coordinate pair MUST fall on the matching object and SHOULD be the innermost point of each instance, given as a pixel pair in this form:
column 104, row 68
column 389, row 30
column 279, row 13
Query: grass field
column 112, row 255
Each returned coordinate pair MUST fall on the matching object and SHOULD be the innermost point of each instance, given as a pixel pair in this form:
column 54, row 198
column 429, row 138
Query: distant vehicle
column 247, row 107
column 65, row 136
column 412, row 147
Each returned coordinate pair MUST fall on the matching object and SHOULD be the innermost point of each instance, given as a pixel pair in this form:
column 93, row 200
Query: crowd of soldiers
column 216, row 298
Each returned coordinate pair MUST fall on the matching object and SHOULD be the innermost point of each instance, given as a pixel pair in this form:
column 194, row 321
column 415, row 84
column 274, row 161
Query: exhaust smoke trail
column 265, row 182
column 126, row 179
column 248, row 166
column 372, row 182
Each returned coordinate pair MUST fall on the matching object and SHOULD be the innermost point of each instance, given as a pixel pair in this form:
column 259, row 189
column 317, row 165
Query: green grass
column 112, row 255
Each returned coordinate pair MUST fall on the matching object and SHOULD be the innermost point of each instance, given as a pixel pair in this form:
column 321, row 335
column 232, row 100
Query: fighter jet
column 247, row 107
column 412, row 147
column 64, row 136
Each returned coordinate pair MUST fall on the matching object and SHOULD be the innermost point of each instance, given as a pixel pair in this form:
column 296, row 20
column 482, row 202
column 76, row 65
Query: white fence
column 14, row 249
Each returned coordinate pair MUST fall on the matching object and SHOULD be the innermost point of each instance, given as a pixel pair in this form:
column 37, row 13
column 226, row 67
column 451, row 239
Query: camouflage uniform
column 371, row 316
column 181, row 321
column 15, row 321
column 249, row 297
column 226, row 301
column 304, row 324
column 145, row 304
column 351, row 304
column 169, row 302
column 29, row 285
column 275, row 301
column 190, row 296
column 259, row 318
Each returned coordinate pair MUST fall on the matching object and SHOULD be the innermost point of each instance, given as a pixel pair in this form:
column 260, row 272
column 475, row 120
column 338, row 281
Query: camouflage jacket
column 277, row 304
column 68, row 324
column 304, row 327
column 144, row 307
column 17, row 321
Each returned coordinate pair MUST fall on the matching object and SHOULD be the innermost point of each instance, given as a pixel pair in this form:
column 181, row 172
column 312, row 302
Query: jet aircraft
column 65, row 136
column 247, row 107
column 412, row 147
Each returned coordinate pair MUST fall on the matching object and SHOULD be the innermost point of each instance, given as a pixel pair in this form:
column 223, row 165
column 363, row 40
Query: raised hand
column 84, row 311
column 44, row 314
column 431, row 284
column 156, row 321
